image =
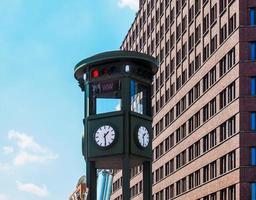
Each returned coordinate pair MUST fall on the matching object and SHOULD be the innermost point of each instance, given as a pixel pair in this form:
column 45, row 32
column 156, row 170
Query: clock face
column 143, row 136
column 105, row 136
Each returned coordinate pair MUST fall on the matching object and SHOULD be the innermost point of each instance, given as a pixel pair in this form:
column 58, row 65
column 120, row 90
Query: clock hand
column 106, row 134
column 105, row 139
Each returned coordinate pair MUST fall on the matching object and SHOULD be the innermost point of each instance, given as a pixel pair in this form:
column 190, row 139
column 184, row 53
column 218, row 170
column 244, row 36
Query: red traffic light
column 95, row 73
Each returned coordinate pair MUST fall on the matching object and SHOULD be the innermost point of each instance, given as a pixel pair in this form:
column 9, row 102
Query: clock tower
column 117, row 115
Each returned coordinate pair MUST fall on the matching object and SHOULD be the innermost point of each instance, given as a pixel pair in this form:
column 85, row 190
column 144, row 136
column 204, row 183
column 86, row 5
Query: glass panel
column 252, row 16
column 253, row 121
column 253, row 190
column 139, row 96
column 253, row 86
column 253, row 156
column 253, row 51
column 105, row 97
column 104, row 105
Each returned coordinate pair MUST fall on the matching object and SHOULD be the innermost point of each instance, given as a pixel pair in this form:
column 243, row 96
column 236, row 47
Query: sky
column 41, row 105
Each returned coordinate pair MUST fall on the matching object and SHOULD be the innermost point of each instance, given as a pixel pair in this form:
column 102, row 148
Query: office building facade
column 203, row 98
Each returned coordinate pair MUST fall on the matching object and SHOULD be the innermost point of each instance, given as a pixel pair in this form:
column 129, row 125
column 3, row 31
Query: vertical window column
column 252, row 16
column 253, row 191
column 253, row 121
column 253, row 156
column 253, row 86
column 253, row 51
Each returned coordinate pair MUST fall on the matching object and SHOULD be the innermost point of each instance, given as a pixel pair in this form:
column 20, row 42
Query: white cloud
column 25, row 141
column 29, row 151
column 33, row 189
column 3, row 197
column 132, row 4
column 4, row 167
column 8, row 150
column 24, row 157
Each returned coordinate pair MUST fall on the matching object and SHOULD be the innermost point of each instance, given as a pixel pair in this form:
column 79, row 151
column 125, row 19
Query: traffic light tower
column 117, row 115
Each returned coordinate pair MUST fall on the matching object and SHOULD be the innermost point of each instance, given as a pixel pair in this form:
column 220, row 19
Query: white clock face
column 143, row 136
column 105, row 136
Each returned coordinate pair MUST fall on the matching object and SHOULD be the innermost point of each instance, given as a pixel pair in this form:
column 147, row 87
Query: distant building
column 81, row 190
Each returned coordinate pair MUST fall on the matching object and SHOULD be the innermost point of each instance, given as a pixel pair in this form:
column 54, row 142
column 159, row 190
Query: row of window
column 118, row 183
column 169, row 19
column 201, row 176
column 205, row 174
column 226, row 63
column 136, row 189
column 225, row 97
column 207, row 142
column 228, row 193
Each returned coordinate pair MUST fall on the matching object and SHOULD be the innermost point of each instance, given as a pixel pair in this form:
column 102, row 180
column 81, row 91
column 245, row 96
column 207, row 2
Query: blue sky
column 41, row 105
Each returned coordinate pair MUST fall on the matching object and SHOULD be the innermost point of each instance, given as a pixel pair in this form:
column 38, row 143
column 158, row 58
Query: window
column 190, row 181
column 231, row 92
column 213, row 75
column 253, row 121
column 232, row 24
column 231, row 58
column 213, row 138
column 252, row 16
column 213, row 196
column 223, row 194
column 205, row 143
column 169, row 192
column 206, row 52
column 253, row 86
column 190, row 97
column 205, row 112
column 191, row 42
column 212, row 107
column 191, row 69
column 253, row 51
column 205, row 83
column 197, row 148
column 253, row 156
column 197, row 90
column 197, row 119
column 223, row 132
column 223, row 66
column 184, row 50
column 206, row 173
column 231, row 160
column 197, row 6
column 214, row 44
column 178, row 161
column 184, row 186
column 198, row 33
column 223, row 33
column 197, row 178
column 205, row 23
column 213, row 13
column 223, row 98
column 223, row 165
column 223, row 5
column 184, row 24
column 232, row 192
column 191, row 153
column 253, row 191
column 198, row 61
column 191, row 14
column 178, row 135
column 213, row 170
